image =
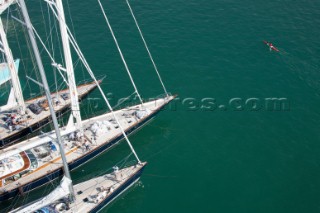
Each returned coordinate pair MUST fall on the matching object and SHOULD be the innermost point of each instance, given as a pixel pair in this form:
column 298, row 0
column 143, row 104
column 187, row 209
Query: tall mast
column 13, row 71
column 69, row 65
column 46, row 89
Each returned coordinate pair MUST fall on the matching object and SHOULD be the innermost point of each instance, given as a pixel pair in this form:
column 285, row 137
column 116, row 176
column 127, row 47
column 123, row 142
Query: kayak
column 271, row 46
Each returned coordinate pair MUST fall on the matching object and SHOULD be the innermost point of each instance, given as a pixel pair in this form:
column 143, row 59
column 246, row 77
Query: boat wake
column 307, row 72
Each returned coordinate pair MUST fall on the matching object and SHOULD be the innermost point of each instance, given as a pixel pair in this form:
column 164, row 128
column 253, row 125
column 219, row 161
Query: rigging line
column 75, row 64
column 55, row 80
column 52, row 49
column 2, row 60
column 123, row 100
column 20, row 50
column 105, row 99
column 45, row 48
column 47, row 40
column 57, row 85
column 58, row 37
column 25, row 197
column 43, row 18
column 7, row 23
column 54, row 69
column 34, row 66
column 145, row 44
column 32, row 59
column 70, row 17
column 49, row 20
column 120, row 164
column 74, row 32
column 120, row 52
column 49, row 5
column 125, row 160
column 79, row 52
column 74, row 44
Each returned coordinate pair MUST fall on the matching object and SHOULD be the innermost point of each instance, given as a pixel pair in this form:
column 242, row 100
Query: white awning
column 34, row 142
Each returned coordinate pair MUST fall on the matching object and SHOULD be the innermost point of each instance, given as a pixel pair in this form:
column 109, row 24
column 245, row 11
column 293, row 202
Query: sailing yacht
column 20, row 117
column 36, row 161
column 91, row 195
column 14, row 126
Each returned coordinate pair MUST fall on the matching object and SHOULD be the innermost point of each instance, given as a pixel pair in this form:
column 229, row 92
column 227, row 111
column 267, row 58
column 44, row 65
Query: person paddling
column 271, row 47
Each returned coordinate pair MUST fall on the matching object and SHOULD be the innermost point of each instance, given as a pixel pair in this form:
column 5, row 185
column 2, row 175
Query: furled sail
column 60, row 192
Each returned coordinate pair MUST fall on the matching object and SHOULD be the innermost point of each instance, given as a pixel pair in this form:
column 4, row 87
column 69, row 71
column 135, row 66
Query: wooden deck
column 103, row 136
column 94, row 194
column 26, row 165
column 96, row 190
column 37, row 119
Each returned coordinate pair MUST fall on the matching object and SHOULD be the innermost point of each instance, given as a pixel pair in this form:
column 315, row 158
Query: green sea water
column 211, row 150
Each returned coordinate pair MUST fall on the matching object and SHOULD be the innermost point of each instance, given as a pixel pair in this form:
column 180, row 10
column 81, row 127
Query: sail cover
column 61, row 191
column 4, row 71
